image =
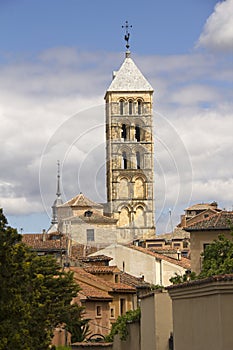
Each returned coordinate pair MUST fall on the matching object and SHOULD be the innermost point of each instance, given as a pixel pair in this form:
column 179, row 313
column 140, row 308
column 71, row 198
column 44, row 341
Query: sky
column 56, row 62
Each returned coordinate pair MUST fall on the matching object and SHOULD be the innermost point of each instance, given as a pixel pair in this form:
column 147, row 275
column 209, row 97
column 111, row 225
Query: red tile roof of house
column 44, row 241
column 81, row 201
column 183, row 262
column 90, row 279
column 219, row 221
column 102, row 269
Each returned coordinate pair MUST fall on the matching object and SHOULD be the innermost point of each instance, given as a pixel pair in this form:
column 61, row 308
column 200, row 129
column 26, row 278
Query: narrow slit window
column 121, row 107
column 137, row 133
column 124, row 160
column 139, row 107
column 138, row 160
column 123, row 131
column 130, row 107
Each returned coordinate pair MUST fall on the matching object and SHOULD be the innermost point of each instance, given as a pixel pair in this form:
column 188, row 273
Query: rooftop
column 129, row 78
column 183, row 262
column 220, row 221
column 81, row 201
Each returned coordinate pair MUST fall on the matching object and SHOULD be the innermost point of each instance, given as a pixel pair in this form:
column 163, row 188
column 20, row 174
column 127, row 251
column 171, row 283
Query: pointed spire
column 58, row 200
column 58, row 180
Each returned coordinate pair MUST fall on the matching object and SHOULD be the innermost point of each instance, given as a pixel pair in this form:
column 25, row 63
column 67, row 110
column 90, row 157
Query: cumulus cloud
column 52, row 108
column 218, row 30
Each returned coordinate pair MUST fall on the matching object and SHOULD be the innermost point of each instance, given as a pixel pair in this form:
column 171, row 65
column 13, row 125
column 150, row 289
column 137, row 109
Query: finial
column 127, row 34
column 58, row 179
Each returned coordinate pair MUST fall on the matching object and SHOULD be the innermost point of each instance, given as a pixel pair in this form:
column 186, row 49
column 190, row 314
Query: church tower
column 130, row 151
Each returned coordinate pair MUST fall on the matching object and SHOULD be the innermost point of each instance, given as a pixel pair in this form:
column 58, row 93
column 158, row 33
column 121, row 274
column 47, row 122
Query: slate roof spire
column 58, row 200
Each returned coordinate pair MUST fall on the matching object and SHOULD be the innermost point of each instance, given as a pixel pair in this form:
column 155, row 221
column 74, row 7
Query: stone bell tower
column 130, row 151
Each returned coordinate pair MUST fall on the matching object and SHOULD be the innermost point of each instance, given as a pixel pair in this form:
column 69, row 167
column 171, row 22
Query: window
column 139, row 107
column 122, row 306
column 88, row 213
column 205, row 245
column 112, row 313
column 138, row 160
column 90, row 235
column 130, row 107
column 124, row 160
column 121, row 107
column 98, row 311
column 116, row 278
column 137, row 133
column 123, row 132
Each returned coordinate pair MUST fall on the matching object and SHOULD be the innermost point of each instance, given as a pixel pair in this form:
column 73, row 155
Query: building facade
column 130, row 152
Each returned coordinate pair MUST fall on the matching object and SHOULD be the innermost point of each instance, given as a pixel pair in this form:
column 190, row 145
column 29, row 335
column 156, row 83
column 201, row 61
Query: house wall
column 197, row 241
column 202, row 316
column 137, row 263
column 98, row 324
column 156, row 321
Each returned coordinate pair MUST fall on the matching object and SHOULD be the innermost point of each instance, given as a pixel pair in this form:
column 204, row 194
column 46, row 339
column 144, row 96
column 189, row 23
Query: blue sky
column 56, row 60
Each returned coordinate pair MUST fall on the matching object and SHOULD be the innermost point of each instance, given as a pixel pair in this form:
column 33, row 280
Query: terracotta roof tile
column 183, row 262
column 40, row 241
column 136, row 282
column 102, row 269
column 217, row 278
column 81, row 201
column 111, row 287
column 97, row 258
column 219, row 221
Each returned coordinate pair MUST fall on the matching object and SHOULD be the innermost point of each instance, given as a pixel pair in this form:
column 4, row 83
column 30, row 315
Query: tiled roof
column 40, row 241
column 91, row 279
column 102, row 269
column 92, row 292
column 183, row 262
column 78, row 251
column 202, row 206
column 136, row 282
column 217, row 278
column 177, row 233
column 129, row 78
column 219, row 221
column 81, row 201
column 97, row 258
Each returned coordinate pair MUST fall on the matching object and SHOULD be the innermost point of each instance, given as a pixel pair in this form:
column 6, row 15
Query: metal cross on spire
column 127, row 34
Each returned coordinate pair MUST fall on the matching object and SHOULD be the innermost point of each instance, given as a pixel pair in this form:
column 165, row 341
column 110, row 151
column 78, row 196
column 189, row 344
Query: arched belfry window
column 123, row 131
column 137, row 133
column 139, row 107
column 121, row 107
column 138, row 160
column 124, row 160
column 130, row 107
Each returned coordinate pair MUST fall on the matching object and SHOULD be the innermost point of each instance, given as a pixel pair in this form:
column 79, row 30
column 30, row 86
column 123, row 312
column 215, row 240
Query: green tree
column 35, row 295
column 120, row 326
column 218, row 257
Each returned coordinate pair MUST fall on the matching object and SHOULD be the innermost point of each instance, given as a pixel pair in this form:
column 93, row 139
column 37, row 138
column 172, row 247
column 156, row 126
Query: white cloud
column 218, row 31
column 53, row 109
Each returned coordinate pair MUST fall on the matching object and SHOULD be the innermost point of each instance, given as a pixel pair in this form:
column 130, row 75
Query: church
column 129, row 213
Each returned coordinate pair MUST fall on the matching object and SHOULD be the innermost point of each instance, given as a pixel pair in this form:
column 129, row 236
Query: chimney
column 44, row 235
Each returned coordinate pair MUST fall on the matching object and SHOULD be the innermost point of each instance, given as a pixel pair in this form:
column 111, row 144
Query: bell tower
column 130, row 151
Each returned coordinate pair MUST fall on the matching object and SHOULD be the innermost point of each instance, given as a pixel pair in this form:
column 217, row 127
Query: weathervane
column 127, row 34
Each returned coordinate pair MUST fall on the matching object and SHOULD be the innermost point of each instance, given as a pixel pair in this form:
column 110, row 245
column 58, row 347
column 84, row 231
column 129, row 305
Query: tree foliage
column 35, row 295
column 120, row 326
column 218, row 257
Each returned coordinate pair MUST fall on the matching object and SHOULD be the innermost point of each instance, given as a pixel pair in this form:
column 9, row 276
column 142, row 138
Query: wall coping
column 220, row 284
